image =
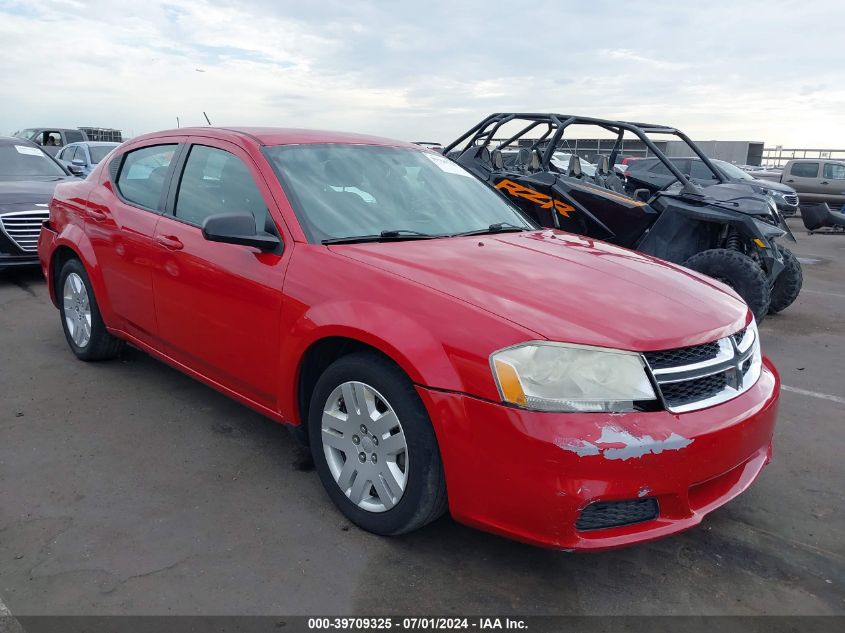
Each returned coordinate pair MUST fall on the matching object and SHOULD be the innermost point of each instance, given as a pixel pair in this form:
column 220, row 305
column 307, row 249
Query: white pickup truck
column 815, row 179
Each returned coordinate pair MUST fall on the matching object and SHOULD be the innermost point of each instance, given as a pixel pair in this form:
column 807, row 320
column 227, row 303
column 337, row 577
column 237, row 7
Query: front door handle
column 825, row 182
column 790, row 180
column 169, row 242
column 97, row 215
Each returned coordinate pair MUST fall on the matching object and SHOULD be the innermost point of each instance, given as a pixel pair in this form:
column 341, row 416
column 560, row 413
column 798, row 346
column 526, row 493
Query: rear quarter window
column 805, row 170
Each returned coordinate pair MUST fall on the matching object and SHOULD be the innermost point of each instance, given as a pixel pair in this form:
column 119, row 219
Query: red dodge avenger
column 435, row 348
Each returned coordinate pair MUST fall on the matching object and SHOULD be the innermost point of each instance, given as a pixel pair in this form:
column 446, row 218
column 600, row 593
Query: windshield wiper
column 384, row 236
column 498, row 227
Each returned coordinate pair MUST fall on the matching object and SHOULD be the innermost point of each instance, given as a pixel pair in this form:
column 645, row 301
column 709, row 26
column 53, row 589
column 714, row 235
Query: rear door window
column 144, row 174
column 805, row 170
column 834, row 171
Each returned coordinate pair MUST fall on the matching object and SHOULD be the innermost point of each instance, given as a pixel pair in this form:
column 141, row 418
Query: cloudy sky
column 427, row 70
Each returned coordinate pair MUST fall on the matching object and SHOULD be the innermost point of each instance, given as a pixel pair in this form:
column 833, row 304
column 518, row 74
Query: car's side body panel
column 813, row 179
column 234, row 294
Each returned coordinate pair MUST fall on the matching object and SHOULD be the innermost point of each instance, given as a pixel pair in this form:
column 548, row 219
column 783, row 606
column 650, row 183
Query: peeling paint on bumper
column 527, row 475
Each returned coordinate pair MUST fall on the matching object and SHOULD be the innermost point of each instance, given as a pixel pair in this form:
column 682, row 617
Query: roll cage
column 483, row 134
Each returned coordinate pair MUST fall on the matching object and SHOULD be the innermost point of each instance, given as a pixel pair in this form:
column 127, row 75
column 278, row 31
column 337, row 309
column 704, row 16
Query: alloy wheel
column 76, row 308
column 365, row 446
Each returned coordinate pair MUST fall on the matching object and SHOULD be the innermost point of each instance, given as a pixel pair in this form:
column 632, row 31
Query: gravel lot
column 126, row 487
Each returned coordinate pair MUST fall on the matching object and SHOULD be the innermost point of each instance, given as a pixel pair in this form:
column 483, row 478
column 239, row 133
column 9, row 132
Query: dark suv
column 652, row 174
column 27, row 179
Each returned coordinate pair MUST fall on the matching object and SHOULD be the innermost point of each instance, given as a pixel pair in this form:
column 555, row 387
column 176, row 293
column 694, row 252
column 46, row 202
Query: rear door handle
column 169, row 242
column 790, row 180
column 825, row 182
column 96, row 215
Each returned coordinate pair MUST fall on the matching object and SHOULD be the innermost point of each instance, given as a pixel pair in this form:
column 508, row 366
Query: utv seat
column 497, row 159
column 820, row 216
column 533, row 163
column 522, row 158
column 476, row 155
column 606, row 176
column 574, row 169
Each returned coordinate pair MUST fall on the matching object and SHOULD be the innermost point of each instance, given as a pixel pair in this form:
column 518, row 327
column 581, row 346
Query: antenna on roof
column 177, row 121
column 206, row 118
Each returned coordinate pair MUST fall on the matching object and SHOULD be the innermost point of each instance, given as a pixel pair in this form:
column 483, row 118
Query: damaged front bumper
column 530, row 475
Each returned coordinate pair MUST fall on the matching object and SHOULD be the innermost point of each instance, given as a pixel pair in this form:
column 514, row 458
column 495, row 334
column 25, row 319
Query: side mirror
column 75, row 169
column 78, row 162
column 237, row 228
column 643, row 195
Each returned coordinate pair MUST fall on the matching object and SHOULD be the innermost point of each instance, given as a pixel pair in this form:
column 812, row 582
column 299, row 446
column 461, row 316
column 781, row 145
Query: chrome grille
column 738, row 336
column 682, row 355
column 701, row 376
column 687, row 391
column 791, row 199
column 24, row 227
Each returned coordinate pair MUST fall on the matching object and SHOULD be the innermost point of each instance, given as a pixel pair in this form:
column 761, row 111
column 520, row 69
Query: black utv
column 722, row 230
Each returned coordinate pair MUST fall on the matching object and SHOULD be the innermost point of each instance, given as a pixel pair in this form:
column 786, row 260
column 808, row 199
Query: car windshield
column 731, row 171
column 346, row 190
column 25, row 160
column 99, row 152
column 28, row 134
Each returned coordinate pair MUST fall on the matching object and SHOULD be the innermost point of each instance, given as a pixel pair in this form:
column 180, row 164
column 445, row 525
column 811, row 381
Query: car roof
column 95, row 143
column 280, row 136
column 15, row 140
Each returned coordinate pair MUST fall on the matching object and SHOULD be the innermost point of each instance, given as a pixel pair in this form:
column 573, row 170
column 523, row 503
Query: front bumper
column 16, row 261
column 786, row 209
column 12, row 256
column 527, row 475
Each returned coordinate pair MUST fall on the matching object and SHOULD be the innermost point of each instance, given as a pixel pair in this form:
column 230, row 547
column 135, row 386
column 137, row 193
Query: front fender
column 406, row 341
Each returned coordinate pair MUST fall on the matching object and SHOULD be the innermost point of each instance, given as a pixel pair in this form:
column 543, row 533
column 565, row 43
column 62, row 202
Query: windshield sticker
column 447, row 165
column 30, row 151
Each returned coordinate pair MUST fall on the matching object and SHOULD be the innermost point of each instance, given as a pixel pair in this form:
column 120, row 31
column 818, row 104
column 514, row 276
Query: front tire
column 788, row 284
column 84, row 329
column 738, row 271
column 374, row 446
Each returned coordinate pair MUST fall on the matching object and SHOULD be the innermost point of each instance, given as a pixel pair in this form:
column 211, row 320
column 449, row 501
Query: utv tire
column 738, row 271
column 361, row 452
column 788, row 284
column 84, row 329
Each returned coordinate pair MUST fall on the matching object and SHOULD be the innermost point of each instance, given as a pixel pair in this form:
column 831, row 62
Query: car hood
column 22, row 192
column 566, row 287
column 774, row 186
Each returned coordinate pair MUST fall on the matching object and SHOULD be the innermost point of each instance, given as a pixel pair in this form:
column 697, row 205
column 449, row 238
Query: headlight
column 547, row 376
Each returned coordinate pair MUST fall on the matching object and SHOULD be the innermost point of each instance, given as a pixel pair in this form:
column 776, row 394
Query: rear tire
column 84, row 329
column 788, row 284
column 738, row 271
column 374, row 446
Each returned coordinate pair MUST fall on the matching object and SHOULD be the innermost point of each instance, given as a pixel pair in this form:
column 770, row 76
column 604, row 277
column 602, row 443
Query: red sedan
column 435, row 348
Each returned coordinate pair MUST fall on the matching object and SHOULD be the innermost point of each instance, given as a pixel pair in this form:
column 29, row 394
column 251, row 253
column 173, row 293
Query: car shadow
column 24, row 278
